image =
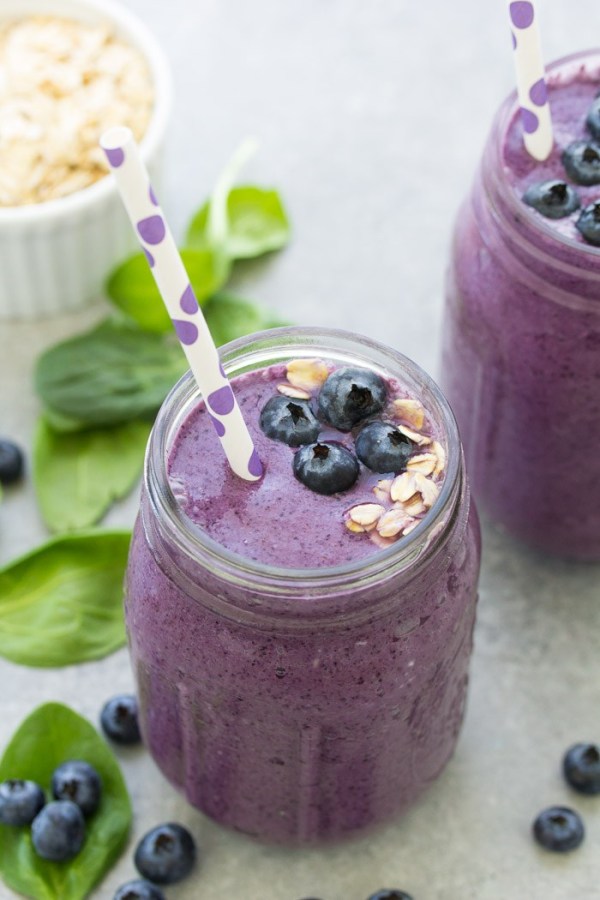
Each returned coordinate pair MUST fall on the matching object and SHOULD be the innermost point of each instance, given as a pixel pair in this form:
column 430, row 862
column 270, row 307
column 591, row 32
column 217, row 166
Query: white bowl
column 55, row 256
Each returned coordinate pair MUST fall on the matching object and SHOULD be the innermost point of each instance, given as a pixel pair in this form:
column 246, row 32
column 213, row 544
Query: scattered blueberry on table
column 76, row 780
column 581, row 768
column 11, row 462
column 58, row 831
column 20, row 801
column 165, row 854
column 390, row 894
column 119, row 719
column 138, row 890
column 558, row 828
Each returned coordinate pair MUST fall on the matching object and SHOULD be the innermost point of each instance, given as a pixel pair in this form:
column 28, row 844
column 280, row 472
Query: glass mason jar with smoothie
column 301, row 643
column 521, row 345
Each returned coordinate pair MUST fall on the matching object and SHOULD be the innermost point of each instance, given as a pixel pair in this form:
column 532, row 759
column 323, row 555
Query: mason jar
column 299, row 705
column 521, row 353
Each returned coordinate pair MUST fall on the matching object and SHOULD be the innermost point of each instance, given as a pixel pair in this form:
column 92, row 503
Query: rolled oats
column 62, row 83
column 307, row 374
column 293, row 392
column 409, row 411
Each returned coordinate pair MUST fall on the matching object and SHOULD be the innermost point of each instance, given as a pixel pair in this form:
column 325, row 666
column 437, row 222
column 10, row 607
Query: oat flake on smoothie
column 62, row 83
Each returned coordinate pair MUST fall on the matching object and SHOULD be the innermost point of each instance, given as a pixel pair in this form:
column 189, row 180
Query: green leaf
column 256, row 219
column 51, row 735
column 62, row 603
column 132, row 288
column 111, row 374
column 230, row 317
column 78, row 476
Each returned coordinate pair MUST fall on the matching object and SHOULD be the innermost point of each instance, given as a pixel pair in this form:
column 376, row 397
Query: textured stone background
column 371, row 118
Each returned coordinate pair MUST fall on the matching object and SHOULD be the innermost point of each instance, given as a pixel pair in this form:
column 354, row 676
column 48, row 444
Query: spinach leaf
column 108, row 375
column 78, row 476
column 256, row 219
column 52, row 734
column 230, row 317
column 62, row 603
column 132, row 288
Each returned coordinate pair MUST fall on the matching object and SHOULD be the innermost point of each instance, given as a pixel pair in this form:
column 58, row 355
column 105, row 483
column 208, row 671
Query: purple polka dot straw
column 531, row 82
column 177, row 293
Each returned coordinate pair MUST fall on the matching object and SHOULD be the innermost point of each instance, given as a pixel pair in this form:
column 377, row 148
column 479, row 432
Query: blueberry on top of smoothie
column 325, row 467
column 581, row 160
column 593, row 118
column 290, row 421
column 382, row 448
column 553, row 199
column 350, row 395
column 588, row 223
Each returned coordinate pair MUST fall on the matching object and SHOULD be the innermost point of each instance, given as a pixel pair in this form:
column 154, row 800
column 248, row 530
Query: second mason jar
column 297, row 702
column 521, row 344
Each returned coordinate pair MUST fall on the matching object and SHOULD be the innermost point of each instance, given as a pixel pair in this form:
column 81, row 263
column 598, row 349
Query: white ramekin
column 55, row 256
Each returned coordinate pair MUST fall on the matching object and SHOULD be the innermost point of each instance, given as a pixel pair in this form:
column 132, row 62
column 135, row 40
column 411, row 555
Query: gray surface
column 371, row 118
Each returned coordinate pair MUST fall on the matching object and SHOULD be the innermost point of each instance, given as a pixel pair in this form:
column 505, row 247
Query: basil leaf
column 230, row 317
column 108, row 375
column 62, row 603
column 132, row 288
column 78, row 476
column 256, row 219
column 51, row 735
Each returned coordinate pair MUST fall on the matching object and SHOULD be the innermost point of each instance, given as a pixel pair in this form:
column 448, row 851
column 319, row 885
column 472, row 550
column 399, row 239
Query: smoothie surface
column 571, row 92
column 277, row 520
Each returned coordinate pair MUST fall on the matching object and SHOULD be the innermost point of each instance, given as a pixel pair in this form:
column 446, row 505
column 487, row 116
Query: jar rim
column 500, row 172
column 264, row 348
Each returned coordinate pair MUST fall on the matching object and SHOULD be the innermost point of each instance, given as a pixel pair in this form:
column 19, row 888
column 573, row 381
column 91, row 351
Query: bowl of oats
column 69, row 69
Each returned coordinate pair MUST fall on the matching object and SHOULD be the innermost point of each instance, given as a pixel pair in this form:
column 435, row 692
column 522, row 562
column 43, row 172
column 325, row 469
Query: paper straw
column 531, row 81
column 176, row 291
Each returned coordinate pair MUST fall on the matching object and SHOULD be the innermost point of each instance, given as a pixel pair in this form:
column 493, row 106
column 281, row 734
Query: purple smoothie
column 297, row 704
column 521, row 347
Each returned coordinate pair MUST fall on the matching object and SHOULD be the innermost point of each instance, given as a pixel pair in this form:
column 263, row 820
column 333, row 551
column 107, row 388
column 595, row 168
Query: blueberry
column 390, row 894
column 383, row 448
column 138, row 890
column 119, row 719
column 581, row 768
column 350, row 395
column 20, row 801
column 11, row 462
column 58, row 831
column 165, row 854
column 326, row 468
column 588, row 223
column 558, row 828
column 582, row 162
column 290, row 421
column 593, row 118
column 77, row 781
column 553, row 199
